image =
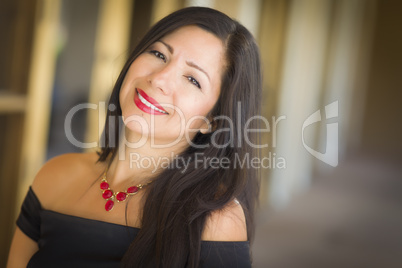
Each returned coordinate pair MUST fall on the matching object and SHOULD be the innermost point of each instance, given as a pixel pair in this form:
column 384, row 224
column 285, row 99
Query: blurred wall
column 75, row 56
column 382, row 129
column 17, row 21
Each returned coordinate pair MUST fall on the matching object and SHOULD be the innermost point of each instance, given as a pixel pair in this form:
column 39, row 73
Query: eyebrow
column 170, row 48
column 189, row 63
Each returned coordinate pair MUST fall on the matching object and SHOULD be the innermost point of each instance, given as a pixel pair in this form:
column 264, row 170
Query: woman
column 165, row 190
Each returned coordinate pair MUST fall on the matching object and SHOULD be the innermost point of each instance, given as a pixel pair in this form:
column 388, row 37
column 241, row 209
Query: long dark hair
column 178, row 201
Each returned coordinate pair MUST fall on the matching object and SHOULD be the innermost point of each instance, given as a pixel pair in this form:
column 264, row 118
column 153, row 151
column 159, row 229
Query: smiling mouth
column 144, row 103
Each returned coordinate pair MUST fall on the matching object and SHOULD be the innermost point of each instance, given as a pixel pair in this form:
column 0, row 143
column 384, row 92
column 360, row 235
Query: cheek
column 197, row 124
column 196, row 119
column 123, row 96
column 126, row 99
column 125, row 89
column 137, row 69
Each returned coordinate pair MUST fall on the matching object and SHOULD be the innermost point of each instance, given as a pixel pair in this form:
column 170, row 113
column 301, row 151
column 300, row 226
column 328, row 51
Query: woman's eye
column 158, row 54
column 193, row 81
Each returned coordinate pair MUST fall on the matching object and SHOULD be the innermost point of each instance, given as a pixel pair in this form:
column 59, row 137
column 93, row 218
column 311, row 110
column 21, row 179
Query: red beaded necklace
column 111, row 196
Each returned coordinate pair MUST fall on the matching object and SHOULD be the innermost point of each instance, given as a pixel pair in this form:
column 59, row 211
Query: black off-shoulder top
column 70, row 241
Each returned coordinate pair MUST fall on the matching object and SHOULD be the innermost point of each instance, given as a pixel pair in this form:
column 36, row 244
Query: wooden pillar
column 113, row 24
column 300, row 93
column 271, row 40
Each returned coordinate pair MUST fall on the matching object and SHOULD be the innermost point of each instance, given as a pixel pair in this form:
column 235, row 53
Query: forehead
column 191, row 33
column 198, row 45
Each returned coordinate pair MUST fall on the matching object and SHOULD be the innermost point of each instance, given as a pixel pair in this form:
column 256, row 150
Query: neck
column 138, row 163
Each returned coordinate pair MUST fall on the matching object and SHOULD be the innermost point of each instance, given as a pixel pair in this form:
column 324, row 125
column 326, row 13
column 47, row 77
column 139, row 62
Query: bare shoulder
column 60, row 174
column 228, row 224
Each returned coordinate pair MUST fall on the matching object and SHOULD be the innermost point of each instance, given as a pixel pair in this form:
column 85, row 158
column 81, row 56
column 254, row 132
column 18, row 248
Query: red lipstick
column 148, row 104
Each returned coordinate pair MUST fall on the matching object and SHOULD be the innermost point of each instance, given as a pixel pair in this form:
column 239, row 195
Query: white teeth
column 150, row 105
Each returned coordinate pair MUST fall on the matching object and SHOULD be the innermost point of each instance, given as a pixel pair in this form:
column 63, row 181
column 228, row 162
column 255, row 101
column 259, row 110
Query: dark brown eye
column 158, row 55
column 193, row 81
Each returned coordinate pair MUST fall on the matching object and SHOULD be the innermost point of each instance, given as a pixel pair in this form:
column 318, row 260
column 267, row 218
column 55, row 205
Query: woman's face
column 173, row 85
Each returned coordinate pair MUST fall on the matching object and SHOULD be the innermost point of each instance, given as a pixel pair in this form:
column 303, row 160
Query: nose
column 163, row 79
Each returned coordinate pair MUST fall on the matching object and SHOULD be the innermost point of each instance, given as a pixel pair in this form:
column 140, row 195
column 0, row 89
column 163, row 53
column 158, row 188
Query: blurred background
column 331, row 189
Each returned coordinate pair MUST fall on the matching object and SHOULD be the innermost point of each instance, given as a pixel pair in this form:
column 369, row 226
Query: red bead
column 104, row 185
column 109, row 205
column 121, row 196
column 132, row 190
column 107, row 194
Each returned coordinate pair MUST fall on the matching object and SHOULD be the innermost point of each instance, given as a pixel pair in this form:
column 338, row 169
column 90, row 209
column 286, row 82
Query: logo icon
column 330, row 156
